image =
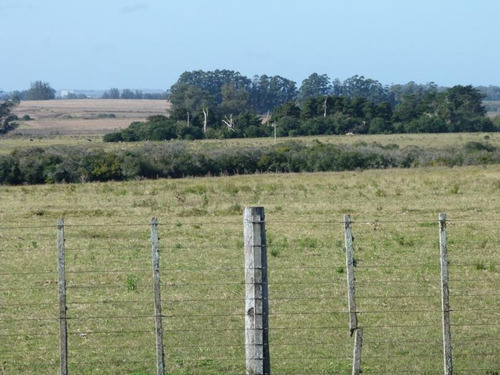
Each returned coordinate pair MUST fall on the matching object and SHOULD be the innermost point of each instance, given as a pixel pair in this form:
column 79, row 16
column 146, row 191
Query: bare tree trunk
column 188, row 118
column 325, row 106
column 205, row 119
column 229, row 122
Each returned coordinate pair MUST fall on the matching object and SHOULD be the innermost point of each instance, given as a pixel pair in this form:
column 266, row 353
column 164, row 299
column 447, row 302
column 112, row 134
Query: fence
column 111, row 315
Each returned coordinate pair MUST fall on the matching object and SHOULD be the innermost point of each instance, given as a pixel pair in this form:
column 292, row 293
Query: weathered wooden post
column 160, row 353
column 256, row 293
column 349, row 256
column 351, row 297
column 63, row 325
column 445, row 295
column 358, row 345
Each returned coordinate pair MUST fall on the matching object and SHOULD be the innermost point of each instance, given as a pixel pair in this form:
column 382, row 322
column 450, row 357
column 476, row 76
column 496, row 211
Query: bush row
column 177, row 159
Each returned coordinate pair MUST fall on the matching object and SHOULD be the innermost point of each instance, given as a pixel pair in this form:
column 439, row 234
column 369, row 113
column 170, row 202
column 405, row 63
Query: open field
column 83, row 116
column 437, row 141
column 110, row 303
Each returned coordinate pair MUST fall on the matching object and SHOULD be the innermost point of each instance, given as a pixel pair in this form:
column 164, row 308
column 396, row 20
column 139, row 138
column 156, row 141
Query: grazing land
column 108, row 260
column 437, row 141
column 110, row 301
column 83, row 116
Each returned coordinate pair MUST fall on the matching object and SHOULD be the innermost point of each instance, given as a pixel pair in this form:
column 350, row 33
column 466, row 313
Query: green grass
column 201, row 252
column 438, row 141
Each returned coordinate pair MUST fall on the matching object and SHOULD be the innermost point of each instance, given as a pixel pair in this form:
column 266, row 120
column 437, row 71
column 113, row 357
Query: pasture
column 110, row 303
column 108, row 260
column 82, row 117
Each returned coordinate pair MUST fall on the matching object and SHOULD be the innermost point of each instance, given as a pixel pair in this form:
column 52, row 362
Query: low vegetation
column 108, row 260
column 176, row 159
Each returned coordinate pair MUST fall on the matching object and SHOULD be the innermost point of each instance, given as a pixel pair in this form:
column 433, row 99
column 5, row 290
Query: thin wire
column 436, row 342
column 27, row 273
column 113, row 361
column 107, row 271
column 109, row 332
column 106, row 302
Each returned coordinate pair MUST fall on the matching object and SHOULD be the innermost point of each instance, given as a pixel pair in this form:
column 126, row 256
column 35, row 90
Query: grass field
column 108, row 262
column 83, row 116
column 109, row 282
column 437, row 141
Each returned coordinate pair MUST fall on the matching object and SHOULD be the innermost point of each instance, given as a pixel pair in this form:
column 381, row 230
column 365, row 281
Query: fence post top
column 254, row 208
column 253, row 215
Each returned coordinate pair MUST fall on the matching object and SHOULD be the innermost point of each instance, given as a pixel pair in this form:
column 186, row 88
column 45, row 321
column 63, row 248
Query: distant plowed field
column 84, row 116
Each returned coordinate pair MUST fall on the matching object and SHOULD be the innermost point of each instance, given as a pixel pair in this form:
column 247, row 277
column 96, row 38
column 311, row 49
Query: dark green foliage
column 425, row 124
column 7, row 119
column 40, row 91
column 479, row 146
column 112, row 93
column 268, row 93
column 359, row 105
column 101, row 166
column 176, row 160
column 313, row 86
column 289, row 109
column 156, row 128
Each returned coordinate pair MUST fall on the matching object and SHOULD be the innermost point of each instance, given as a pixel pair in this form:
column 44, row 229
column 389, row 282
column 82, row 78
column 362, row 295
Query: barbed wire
column 281, row 274
column 359, row 221
column 242, row 314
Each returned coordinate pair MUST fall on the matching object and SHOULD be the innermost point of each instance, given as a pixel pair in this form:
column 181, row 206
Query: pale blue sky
column 140, row 44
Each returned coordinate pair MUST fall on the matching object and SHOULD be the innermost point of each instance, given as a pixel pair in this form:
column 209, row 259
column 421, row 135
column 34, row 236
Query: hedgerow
column 176, row 160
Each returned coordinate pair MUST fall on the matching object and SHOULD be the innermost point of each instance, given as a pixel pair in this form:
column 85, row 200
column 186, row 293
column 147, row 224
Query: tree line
column 114, row 93
column 73, row 164
column 39, row 90
column 226, row 104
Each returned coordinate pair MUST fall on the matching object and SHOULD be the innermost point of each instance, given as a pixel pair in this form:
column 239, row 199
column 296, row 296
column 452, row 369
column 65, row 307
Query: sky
column 148, row 44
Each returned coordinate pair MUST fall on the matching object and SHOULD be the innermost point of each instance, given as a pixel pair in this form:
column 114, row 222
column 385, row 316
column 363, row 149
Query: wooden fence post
column 160, row 352
column 445, row 296
column 63, row 326
column 358, row 345
column 349, row 256
column 256, row 293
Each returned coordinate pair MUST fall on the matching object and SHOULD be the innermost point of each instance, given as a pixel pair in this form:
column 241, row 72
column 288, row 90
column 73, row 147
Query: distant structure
column 65, row 93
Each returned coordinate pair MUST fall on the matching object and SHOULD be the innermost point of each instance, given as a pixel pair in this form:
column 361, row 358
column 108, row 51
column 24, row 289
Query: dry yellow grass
column 201, row 247
column 84, row 116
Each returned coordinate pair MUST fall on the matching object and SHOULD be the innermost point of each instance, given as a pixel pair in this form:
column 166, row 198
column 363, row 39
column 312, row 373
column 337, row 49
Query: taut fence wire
column 111, row 310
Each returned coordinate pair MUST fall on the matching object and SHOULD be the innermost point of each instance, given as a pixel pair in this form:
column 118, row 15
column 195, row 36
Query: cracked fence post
column 63, row 324
column 256, row 293
column 445, row 296
column 349, row 256
column 160, row 351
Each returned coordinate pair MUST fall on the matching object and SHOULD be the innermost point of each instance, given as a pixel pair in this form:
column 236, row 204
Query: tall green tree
column 269, row 92
column 361, row 87
column 40, row 91
column 210, row 83
column 112, row 93
column 313, row 86
column 6, row 117
column 462, row 108
column 234, row 100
